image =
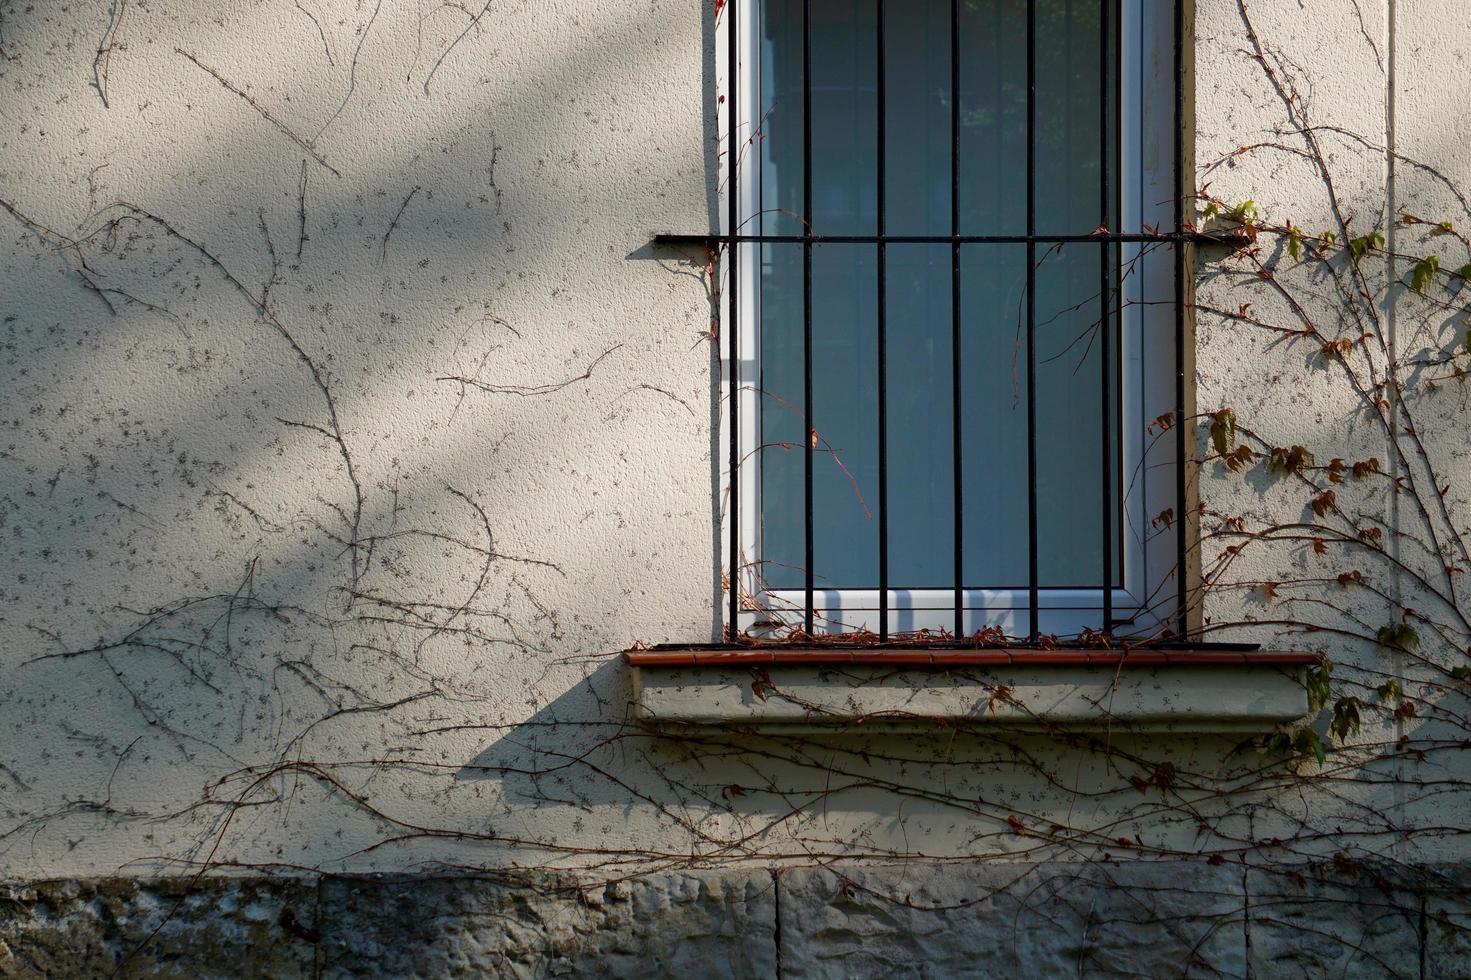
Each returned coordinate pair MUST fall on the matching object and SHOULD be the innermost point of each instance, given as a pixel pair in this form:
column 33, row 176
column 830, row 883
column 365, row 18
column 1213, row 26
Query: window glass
column 991, row 188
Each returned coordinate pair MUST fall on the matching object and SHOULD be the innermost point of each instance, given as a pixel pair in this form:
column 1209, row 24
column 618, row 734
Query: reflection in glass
column 992, row 188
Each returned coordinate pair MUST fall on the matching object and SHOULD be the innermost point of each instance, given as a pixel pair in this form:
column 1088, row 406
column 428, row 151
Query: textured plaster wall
column 1377, row 85
column 167, row 448
column 351, row 425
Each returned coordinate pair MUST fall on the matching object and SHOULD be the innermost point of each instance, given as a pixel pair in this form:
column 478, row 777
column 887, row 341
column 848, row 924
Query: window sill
column 853, row 689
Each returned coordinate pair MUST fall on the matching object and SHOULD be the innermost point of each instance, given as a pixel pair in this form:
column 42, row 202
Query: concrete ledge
column 1240, row 697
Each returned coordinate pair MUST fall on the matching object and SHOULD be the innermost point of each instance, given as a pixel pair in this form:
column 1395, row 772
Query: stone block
column 1303, row 925
column 173, row 928
column 1150, row 919
column 699, row 924
column 1448, row 927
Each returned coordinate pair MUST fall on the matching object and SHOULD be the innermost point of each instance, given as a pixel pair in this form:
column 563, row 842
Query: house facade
column 772, row 487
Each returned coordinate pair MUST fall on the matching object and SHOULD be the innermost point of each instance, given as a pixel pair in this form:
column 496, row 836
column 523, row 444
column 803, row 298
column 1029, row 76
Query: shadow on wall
column 303, row 460
column 324, row 499
column 622, row 795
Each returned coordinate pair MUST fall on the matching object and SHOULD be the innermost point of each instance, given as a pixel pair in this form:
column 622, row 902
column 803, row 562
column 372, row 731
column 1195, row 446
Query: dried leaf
column 1292, row 459
column 1223, row 431
column 1364, row 467
column 1240, row 459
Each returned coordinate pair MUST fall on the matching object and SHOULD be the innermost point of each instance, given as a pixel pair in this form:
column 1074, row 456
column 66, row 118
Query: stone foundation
column 1003, row 920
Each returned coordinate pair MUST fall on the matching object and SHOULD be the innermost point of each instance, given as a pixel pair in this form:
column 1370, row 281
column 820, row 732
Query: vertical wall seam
column 1392, row 338
column 1246, row 895
column 1424, row 931
column 776, row 917
column 1246, row 917
column 318, row 916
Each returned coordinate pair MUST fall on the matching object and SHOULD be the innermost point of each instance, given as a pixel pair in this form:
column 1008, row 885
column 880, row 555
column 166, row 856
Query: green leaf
column 1212, row 210
column 1319, row 685
column 1401, row 636
column 1424, row 273
column 1389, row 690
column 1345, row 718
column 1305, row 740
column 1461, row 673
column 1359, row 247
column 1246, row 212
column 1294, row 241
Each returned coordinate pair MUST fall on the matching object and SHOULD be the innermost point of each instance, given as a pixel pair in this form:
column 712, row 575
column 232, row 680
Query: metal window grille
column 1177, row 239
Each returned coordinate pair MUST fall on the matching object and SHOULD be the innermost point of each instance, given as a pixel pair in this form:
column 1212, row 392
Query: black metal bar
column 733, row 286
column 1228, row 239
column 883, row 302
column 808, row 435
column 958, row 488
column 1033, row 594
column 1179, row 204
column 1105, row 321
column 1178, row 239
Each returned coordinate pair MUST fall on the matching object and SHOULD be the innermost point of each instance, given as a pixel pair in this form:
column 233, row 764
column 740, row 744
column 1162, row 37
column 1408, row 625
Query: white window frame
column 1145, row 601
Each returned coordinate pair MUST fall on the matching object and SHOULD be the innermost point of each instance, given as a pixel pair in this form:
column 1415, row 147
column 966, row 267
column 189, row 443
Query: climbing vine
column 372, row 679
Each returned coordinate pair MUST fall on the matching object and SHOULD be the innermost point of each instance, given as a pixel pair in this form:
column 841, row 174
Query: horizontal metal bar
column 1230, row 238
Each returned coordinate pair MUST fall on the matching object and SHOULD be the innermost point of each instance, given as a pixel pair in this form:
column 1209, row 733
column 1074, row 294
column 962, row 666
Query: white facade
column 353, row 427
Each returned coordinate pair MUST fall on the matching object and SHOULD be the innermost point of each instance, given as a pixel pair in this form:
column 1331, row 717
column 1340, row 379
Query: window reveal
column 944, row 338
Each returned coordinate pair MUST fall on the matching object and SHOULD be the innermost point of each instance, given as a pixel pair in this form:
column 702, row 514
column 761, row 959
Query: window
column 952, row 316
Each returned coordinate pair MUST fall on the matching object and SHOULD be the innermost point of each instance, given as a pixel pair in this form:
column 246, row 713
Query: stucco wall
column 173, row 465
column 1343, row 117
column 351, row 426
